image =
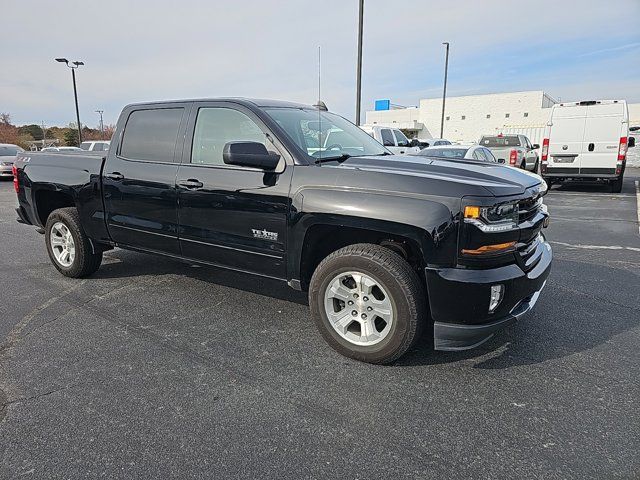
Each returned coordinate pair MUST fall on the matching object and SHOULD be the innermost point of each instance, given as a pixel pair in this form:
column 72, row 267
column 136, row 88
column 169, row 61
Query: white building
column 469, row 117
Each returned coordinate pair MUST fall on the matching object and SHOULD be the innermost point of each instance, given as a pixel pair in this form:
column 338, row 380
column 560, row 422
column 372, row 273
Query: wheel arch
column 47, row 200
column 325, row 219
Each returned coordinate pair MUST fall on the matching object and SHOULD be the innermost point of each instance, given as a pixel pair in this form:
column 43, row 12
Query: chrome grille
column 528, row 207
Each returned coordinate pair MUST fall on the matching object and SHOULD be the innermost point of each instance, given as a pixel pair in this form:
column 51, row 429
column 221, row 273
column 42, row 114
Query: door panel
column 565, row 142
column 139, row 178
column 237, row 219
column 602, row 136
column 142, row 206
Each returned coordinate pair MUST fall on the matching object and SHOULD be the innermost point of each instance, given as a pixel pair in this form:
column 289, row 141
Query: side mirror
column 535, row 146
column 249, row 154
column 631, row 142
column 414, row 142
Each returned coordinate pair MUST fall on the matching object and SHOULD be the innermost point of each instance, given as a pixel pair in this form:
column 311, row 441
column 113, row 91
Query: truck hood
column 476, row 178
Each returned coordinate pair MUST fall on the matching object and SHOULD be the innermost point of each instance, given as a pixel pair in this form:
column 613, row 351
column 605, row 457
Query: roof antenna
column 320, row 105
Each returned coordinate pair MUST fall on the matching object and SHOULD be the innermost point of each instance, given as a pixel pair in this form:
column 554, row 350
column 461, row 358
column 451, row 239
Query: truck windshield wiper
column 376, row 154
column 344, row 156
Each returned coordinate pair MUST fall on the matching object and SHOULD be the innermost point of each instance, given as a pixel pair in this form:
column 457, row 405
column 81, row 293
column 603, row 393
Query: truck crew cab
column 587, row 141
column 385, row 245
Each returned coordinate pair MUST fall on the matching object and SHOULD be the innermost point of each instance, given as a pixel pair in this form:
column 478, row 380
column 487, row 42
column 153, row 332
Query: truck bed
column 45, row 176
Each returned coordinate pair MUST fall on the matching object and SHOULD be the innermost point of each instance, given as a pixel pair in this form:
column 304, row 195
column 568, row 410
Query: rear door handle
column 191, row 183
column 114, row 176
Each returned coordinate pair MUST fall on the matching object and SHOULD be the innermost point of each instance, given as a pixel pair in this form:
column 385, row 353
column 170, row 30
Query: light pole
column 359, row 67
column 73, row 66
column 444, row 91
column 100, row 112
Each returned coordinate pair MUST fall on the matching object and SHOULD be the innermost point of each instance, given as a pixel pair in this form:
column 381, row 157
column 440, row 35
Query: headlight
column 498, row 218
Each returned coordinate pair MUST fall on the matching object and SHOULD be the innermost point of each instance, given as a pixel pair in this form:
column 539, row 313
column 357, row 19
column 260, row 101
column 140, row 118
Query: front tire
column 368, row 303
column 68, row 246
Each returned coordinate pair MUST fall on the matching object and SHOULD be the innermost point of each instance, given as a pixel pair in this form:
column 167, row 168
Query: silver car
column 8, row 153
column 459, row 152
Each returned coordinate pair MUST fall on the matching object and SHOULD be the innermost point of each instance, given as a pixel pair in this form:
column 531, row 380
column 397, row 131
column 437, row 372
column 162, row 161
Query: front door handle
column 191, row 183
column 114, row 176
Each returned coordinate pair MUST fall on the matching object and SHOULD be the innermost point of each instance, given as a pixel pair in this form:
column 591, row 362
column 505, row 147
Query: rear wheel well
column 47, row 201
column 322, row 240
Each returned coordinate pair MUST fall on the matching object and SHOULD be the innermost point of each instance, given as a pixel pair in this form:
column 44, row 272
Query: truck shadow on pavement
column 574, row 313
column 124, row 263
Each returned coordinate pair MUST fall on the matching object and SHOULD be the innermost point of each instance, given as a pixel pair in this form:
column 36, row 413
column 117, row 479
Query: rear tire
column 616, row 185
column 68, row 246
column 344, row 285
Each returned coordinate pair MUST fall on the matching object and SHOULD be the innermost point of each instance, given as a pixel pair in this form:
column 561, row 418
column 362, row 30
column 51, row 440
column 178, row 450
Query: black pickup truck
column 385, row 245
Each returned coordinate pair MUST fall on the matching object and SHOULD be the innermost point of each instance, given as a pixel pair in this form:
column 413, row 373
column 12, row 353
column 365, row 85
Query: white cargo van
column 587, row 140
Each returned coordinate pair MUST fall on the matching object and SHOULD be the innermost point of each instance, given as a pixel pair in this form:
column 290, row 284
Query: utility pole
column 444, row 91
column 100, row 112
column 359, row 67
column 44, row 133
column 73, row 66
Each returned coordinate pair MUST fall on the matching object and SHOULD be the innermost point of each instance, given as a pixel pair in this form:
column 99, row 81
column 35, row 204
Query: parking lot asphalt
column 156, row 369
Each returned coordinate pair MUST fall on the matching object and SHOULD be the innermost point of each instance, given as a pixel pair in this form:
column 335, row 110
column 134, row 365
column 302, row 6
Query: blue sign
column 383, row 105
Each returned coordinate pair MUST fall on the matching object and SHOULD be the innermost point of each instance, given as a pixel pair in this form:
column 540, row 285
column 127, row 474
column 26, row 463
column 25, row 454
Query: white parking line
column 597, row 247
column 638, row 203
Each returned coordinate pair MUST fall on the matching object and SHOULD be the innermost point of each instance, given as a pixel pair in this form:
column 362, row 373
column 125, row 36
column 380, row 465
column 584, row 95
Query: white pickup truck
column 392, row 138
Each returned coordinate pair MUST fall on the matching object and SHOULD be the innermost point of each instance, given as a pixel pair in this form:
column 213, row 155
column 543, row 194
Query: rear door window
column 151, row 134
column 478, row 154
column 489, row 155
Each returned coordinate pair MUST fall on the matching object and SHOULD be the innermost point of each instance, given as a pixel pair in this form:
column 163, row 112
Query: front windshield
column 444, row 152
column 324, row 135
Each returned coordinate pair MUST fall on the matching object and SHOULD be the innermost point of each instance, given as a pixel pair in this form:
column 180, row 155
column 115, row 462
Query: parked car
column 383, row 244
column 8, row 152
column 587, row 141
column 433, row 142
column 95, row 146
column 513, row 150
column 62, row 149
column 458, row 152
column 395, row 141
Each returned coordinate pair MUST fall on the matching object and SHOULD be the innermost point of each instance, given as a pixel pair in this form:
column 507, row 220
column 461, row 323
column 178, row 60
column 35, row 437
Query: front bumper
column 459, row 300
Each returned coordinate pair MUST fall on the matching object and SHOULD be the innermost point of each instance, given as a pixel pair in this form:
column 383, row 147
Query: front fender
column 429, row 223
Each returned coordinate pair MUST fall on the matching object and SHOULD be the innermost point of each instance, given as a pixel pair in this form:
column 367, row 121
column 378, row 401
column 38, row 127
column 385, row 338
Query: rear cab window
column 151, row 134
column 500, row 141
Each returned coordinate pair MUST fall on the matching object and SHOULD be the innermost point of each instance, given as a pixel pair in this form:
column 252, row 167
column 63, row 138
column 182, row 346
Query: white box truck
column 586, row 140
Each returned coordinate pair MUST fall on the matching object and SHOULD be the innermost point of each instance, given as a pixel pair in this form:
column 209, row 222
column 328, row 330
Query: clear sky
column 151, row 50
